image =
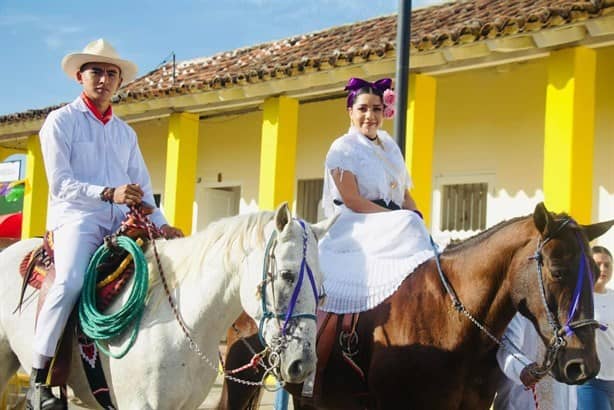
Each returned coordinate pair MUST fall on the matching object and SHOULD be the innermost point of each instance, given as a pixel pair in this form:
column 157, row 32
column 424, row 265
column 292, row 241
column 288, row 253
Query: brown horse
column 417, row 350
column 242, row 342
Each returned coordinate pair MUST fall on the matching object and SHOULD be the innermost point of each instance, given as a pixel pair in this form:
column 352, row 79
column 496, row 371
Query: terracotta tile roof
column 28, row 115
column 444, row 25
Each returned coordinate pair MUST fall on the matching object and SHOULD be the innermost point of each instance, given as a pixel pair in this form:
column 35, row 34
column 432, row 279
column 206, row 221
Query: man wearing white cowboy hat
column 94, row 168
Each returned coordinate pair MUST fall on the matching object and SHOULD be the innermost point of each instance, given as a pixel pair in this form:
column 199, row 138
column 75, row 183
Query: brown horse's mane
column 458, row 246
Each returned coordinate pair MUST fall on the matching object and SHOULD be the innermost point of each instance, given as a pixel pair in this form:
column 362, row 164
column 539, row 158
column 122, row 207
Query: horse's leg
column 299, row 404
column 223, row 403
column 9, row 364
column 254, row 401
column 237, row 396
column 18, row 328
column 481, row 385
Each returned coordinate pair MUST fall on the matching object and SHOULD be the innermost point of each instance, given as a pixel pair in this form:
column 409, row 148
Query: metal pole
column 173, row 68
column 402, row 77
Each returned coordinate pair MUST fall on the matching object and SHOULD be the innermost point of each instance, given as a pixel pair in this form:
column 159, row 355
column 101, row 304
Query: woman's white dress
column 366, row 256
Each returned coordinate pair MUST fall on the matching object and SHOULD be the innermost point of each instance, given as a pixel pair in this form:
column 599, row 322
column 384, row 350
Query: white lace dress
column 366, row 256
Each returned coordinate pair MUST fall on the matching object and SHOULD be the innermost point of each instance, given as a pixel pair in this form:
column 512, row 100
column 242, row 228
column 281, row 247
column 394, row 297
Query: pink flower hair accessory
column 388, row 112
column 389, row 99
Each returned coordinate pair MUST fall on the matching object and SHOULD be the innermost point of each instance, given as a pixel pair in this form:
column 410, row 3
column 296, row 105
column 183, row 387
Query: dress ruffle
column 365, row 257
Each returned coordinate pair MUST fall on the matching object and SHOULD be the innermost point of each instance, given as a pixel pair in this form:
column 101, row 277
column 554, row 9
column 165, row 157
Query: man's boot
column 39, row 395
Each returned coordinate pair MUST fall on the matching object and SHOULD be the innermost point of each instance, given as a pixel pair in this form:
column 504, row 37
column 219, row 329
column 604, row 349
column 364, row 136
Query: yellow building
column 509, row 106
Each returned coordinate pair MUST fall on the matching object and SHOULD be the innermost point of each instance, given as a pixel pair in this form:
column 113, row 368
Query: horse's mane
column 457, row 246
column 480, row 237
column 234, row 236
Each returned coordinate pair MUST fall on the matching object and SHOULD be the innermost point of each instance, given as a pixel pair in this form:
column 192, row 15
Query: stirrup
column 40, row 397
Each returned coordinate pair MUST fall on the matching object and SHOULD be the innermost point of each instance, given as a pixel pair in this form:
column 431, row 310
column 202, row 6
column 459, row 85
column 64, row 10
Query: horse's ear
column 282, row 216
column 596, row 230
column 322, row 227
column 542, row 219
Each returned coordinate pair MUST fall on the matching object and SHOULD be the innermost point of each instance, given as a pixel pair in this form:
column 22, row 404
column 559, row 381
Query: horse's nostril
column 575, row 371
column 295, row 370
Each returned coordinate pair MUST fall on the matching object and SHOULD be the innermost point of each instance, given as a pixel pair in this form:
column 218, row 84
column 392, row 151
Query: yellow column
column 180, row 182
column 36, row 191
column 419, row 140
column 569, row 132
column 278, row 152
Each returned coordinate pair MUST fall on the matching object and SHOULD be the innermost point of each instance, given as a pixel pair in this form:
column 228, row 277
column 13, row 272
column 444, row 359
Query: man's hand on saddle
column 170, row 232
column 129, row 194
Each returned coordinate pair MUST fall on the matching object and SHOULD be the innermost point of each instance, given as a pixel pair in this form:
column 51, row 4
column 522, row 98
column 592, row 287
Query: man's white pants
column 74, row 244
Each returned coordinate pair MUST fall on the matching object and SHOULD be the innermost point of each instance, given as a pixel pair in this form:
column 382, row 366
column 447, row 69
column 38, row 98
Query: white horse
column 213, row 275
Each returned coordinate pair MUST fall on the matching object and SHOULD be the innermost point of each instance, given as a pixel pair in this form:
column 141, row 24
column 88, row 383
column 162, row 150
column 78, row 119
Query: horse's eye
column 557, row 273
column 287, row 275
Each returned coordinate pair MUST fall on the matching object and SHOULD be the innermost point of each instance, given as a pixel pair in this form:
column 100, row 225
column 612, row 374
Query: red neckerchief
column 103, row 118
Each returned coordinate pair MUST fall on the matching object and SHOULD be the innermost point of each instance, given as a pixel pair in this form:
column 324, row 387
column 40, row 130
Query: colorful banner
column 13, row 191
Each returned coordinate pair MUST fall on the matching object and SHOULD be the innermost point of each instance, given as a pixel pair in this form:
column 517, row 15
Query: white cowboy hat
column 98, row 51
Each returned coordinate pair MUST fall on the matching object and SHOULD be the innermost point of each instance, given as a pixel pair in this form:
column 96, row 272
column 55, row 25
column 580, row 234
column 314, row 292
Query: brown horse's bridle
column 559, row 332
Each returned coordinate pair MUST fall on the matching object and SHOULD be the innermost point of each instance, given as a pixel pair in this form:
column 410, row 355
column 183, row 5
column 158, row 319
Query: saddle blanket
column 365, row 257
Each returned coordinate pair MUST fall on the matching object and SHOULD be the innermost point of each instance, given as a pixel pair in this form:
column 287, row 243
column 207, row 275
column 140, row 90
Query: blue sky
column 36, row 34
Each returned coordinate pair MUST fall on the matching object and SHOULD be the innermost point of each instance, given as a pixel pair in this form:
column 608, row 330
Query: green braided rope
column 98, row 326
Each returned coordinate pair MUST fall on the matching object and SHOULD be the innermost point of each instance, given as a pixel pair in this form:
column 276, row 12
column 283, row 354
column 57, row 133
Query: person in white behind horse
column 521, row 346
column 94, row 168
column 379, row 237
column 598, row 393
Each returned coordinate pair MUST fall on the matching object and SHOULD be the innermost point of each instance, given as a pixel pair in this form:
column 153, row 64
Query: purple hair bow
column 354, row 84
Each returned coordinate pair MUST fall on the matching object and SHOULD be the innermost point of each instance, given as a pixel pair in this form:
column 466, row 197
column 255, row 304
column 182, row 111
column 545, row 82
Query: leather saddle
column 333, row 328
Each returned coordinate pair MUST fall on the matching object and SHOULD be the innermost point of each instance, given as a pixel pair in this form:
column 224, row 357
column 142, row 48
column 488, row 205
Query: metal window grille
column 463, row 207
column 308, row 199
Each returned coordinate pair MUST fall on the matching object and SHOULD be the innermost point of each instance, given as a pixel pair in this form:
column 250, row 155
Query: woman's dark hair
column 601, row 249
column 352, row 95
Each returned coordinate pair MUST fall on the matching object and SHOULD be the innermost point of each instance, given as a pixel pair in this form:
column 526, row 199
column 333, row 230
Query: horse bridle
column 269, row 272
column 559, row 332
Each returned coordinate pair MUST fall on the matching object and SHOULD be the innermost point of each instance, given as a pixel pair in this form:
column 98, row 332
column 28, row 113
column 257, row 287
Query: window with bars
column 308, row 199
column 463, row 207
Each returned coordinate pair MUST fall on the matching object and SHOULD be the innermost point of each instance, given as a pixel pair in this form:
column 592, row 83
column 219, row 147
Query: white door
column 216, row 203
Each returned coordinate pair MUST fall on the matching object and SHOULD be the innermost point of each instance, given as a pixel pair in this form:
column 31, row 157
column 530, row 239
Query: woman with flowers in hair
column 379, row 237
